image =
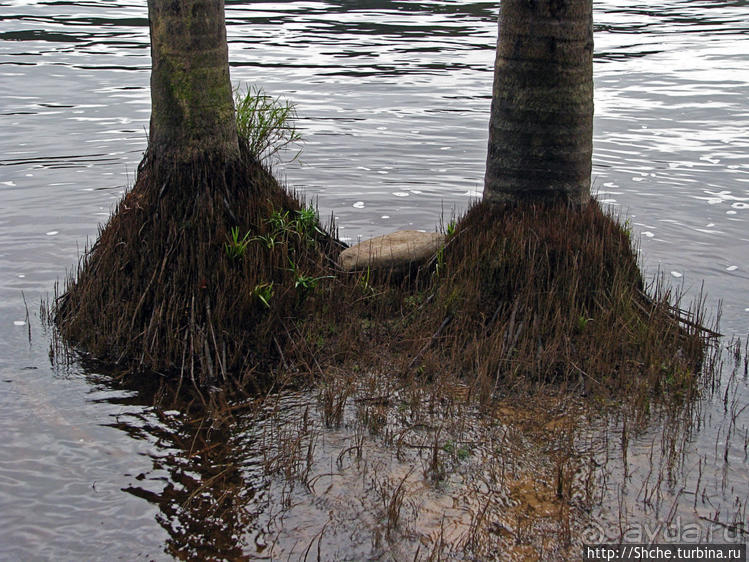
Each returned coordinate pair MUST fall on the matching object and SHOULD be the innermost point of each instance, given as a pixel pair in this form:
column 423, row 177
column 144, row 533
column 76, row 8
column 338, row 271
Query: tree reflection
column 206, row 480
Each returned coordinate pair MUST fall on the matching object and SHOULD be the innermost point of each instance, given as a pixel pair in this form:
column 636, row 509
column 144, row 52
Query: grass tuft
column 266, row 125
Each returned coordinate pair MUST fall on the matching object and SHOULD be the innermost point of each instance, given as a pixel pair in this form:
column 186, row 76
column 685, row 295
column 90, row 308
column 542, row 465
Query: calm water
column 393, row 99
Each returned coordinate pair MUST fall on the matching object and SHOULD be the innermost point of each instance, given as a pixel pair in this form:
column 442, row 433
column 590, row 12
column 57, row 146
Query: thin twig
column 436, row 334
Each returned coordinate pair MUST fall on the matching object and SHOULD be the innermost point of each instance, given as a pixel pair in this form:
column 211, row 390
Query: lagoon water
column 393, row 99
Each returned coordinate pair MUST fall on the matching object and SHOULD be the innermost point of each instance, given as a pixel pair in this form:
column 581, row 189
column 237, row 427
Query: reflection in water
column 268, row 478
column 203, row 497
column 402, row 470
column 196, row 479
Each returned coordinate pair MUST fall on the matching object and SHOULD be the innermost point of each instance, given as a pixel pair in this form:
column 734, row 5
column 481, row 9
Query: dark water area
column 393, row 99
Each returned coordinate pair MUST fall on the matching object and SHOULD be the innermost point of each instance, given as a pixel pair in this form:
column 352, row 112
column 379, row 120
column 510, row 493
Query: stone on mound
column 395, row 251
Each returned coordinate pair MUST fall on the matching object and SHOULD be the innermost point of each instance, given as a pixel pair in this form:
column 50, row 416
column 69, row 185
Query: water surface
column 394, row 100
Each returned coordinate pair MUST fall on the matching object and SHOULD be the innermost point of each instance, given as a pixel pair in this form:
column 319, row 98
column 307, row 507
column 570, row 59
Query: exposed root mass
column 551, row 294
column 519, row 297
column 480, row 365
column 161, row 289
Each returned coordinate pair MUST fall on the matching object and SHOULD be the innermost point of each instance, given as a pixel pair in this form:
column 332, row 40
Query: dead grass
column 160, row 292
column 521, row 298
column 418, row 468
column 545, row 295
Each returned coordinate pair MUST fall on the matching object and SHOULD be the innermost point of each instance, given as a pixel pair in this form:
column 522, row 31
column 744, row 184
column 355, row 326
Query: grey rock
column 395, row 251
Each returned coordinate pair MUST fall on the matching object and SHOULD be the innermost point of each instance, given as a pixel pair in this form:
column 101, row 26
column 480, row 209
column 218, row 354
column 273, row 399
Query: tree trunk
column 541, row 126
column 192, row 107
column 158, row 291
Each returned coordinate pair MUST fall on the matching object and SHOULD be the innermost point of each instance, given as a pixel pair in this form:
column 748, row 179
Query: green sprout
column 263, row 292
column 279, row 222
column 235, row 246
column 306, row 222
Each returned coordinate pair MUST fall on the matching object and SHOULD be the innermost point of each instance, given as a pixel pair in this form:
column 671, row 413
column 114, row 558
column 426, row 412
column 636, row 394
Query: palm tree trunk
column 192, row 113
column 541, row 126
column 157, row 290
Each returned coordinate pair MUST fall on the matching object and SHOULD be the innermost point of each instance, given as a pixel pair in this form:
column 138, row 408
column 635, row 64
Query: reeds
column 216, row 278
column 537, row 464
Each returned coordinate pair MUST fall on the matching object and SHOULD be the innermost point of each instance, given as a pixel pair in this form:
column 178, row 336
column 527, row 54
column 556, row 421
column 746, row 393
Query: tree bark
column 541, row 125
column 192, row 107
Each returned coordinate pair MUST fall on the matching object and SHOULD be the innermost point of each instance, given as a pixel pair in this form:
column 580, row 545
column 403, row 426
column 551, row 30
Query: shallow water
column 393, row 99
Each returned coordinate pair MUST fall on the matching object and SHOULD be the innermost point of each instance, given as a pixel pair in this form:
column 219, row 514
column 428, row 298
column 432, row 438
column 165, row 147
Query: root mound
column 531, row 295
column 164, row 289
